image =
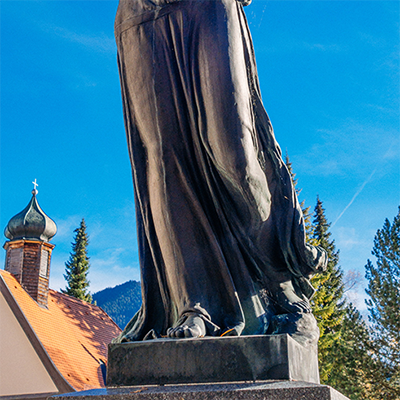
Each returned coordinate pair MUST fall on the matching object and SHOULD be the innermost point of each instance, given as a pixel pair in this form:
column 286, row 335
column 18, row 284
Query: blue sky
column 330, row 81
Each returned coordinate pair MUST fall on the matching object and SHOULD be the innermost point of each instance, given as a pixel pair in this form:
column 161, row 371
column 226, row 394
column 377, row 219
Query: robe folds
column 217, row 217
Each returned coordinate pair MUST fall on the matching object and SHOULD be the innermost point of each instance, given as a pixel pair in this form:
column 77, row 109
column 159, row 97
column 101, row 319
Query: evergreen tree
column 384, row 310
column 352, row 356
column 77, row 267
column 328, row 302
column 306, row 210
column 344, row 345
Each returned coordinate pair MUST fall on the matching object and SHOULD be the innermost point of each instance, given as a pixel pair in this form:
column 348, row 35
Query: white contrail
column 354, row 197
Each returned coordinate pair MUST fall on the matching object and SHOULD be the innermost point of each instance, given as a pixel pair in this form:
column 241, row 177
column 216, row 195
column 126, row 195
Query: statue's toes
column 193, row 327
column 188, row 332
column 180, row 333
column 175, row 332
column 192, row 331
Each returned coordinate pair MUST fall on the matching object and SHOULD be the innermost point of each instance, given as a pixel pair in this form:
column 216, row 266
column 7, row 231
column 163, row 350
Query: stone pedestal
column 270, row 390
column 272, row 367
column 223, row 359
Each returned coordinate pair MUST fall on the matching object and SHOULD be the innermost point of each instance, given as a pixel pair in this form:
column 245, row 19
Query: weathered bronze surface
column 221, row 233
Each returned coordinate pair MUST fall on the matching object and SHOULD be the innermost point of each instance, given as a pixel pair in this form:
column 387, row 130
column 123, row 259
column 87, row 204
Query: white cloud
column 350, row 148
column 85, row 81
column 358, row 297
column 372, row 40
column 110, row 268
column 66, row 227
column 100, row 43
column 347, row 238
column 112, row 275
column 393, row 152
column 112, row 248
column 57, row 269
column 323, row 47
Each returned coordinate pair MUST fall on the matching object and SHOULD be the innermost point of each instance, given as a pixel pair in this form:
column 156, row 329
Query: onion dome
column 31, row 223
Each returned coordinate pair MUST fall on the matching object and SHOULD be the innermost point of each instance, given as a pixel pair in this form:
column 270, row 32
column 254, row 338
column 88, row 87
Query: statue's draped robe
column 217, row 215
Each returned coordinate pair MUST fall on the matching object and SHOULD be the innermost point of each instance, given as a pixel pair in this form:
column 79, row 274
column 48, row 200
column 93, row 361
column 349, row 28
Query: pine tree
column 328, row 302
column 77, row 267
column 306, row 210
column 384, row 310
column 352, row 356
column 344, row 345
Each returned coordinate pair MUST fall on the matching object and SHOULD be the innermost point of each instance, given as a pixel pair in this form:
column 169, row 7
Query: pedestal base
column 223, row 359
column 271, row 390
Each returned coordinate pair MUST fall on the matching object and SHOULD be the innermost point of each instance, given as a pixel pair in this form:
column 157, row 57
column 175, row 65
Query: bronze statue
column 221, row 233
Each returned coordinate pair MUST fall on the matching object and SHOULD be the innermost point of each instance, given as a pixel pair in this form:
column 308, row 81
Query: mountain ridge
column 120, row 302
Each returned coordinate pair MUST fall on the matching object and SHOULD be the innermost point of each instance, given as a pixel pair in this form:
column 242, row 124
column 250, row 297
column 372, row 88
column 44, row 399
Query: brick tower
column 28, row 251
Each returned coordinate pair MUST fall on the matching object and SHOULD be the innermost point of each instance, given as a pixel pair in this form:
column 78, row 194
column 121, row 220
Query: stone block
column 270, row 390
column 222, row 359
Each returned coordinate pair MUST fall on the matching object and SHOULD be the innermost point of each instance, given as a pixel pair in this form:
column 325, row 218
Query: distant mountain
column 120, row 302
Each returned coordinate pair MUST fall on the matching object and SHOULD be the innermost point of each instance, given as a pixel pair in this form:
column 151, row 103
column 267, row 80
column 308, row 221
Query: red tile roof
column 75, row 334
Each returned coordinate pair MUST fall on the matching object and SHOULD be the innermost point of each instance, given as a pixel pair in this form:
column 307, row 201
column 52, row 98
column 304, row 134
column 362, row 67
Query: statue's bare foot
column 192, row 327
column 288, row 302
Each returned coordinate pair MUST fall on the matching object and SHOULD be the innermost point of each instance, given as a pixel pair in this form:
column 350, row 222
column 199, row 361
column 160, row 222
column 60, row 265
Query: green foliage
column 77, row 267
column 328, row 303
column 353, row 358
column 384, row 310
column 344, row 347
column 121, row 302
column 367, row 358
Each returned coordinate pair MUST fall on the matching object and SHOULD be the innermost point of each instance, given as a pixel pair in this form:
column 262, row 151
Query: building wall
column 21, row 371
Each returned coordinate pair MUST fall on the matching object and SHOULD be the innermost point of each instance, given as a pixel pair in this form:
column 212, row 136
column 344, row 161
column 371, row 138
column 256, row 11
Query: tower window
column 15, row 258
column 44, row 262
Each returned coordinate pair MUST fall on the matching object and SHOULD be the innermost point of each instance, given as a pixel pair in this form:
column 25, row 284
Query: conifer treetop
column 77, row 267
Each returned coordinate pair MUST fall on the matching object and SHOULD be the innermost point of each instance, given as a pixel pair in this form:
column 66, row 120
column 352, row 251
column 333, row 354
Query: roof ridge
column 74, row 299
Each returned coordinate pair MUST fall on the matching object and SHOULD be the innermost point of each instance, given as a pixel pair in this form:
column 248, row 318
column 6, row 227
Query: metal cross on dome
column 34, row 186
